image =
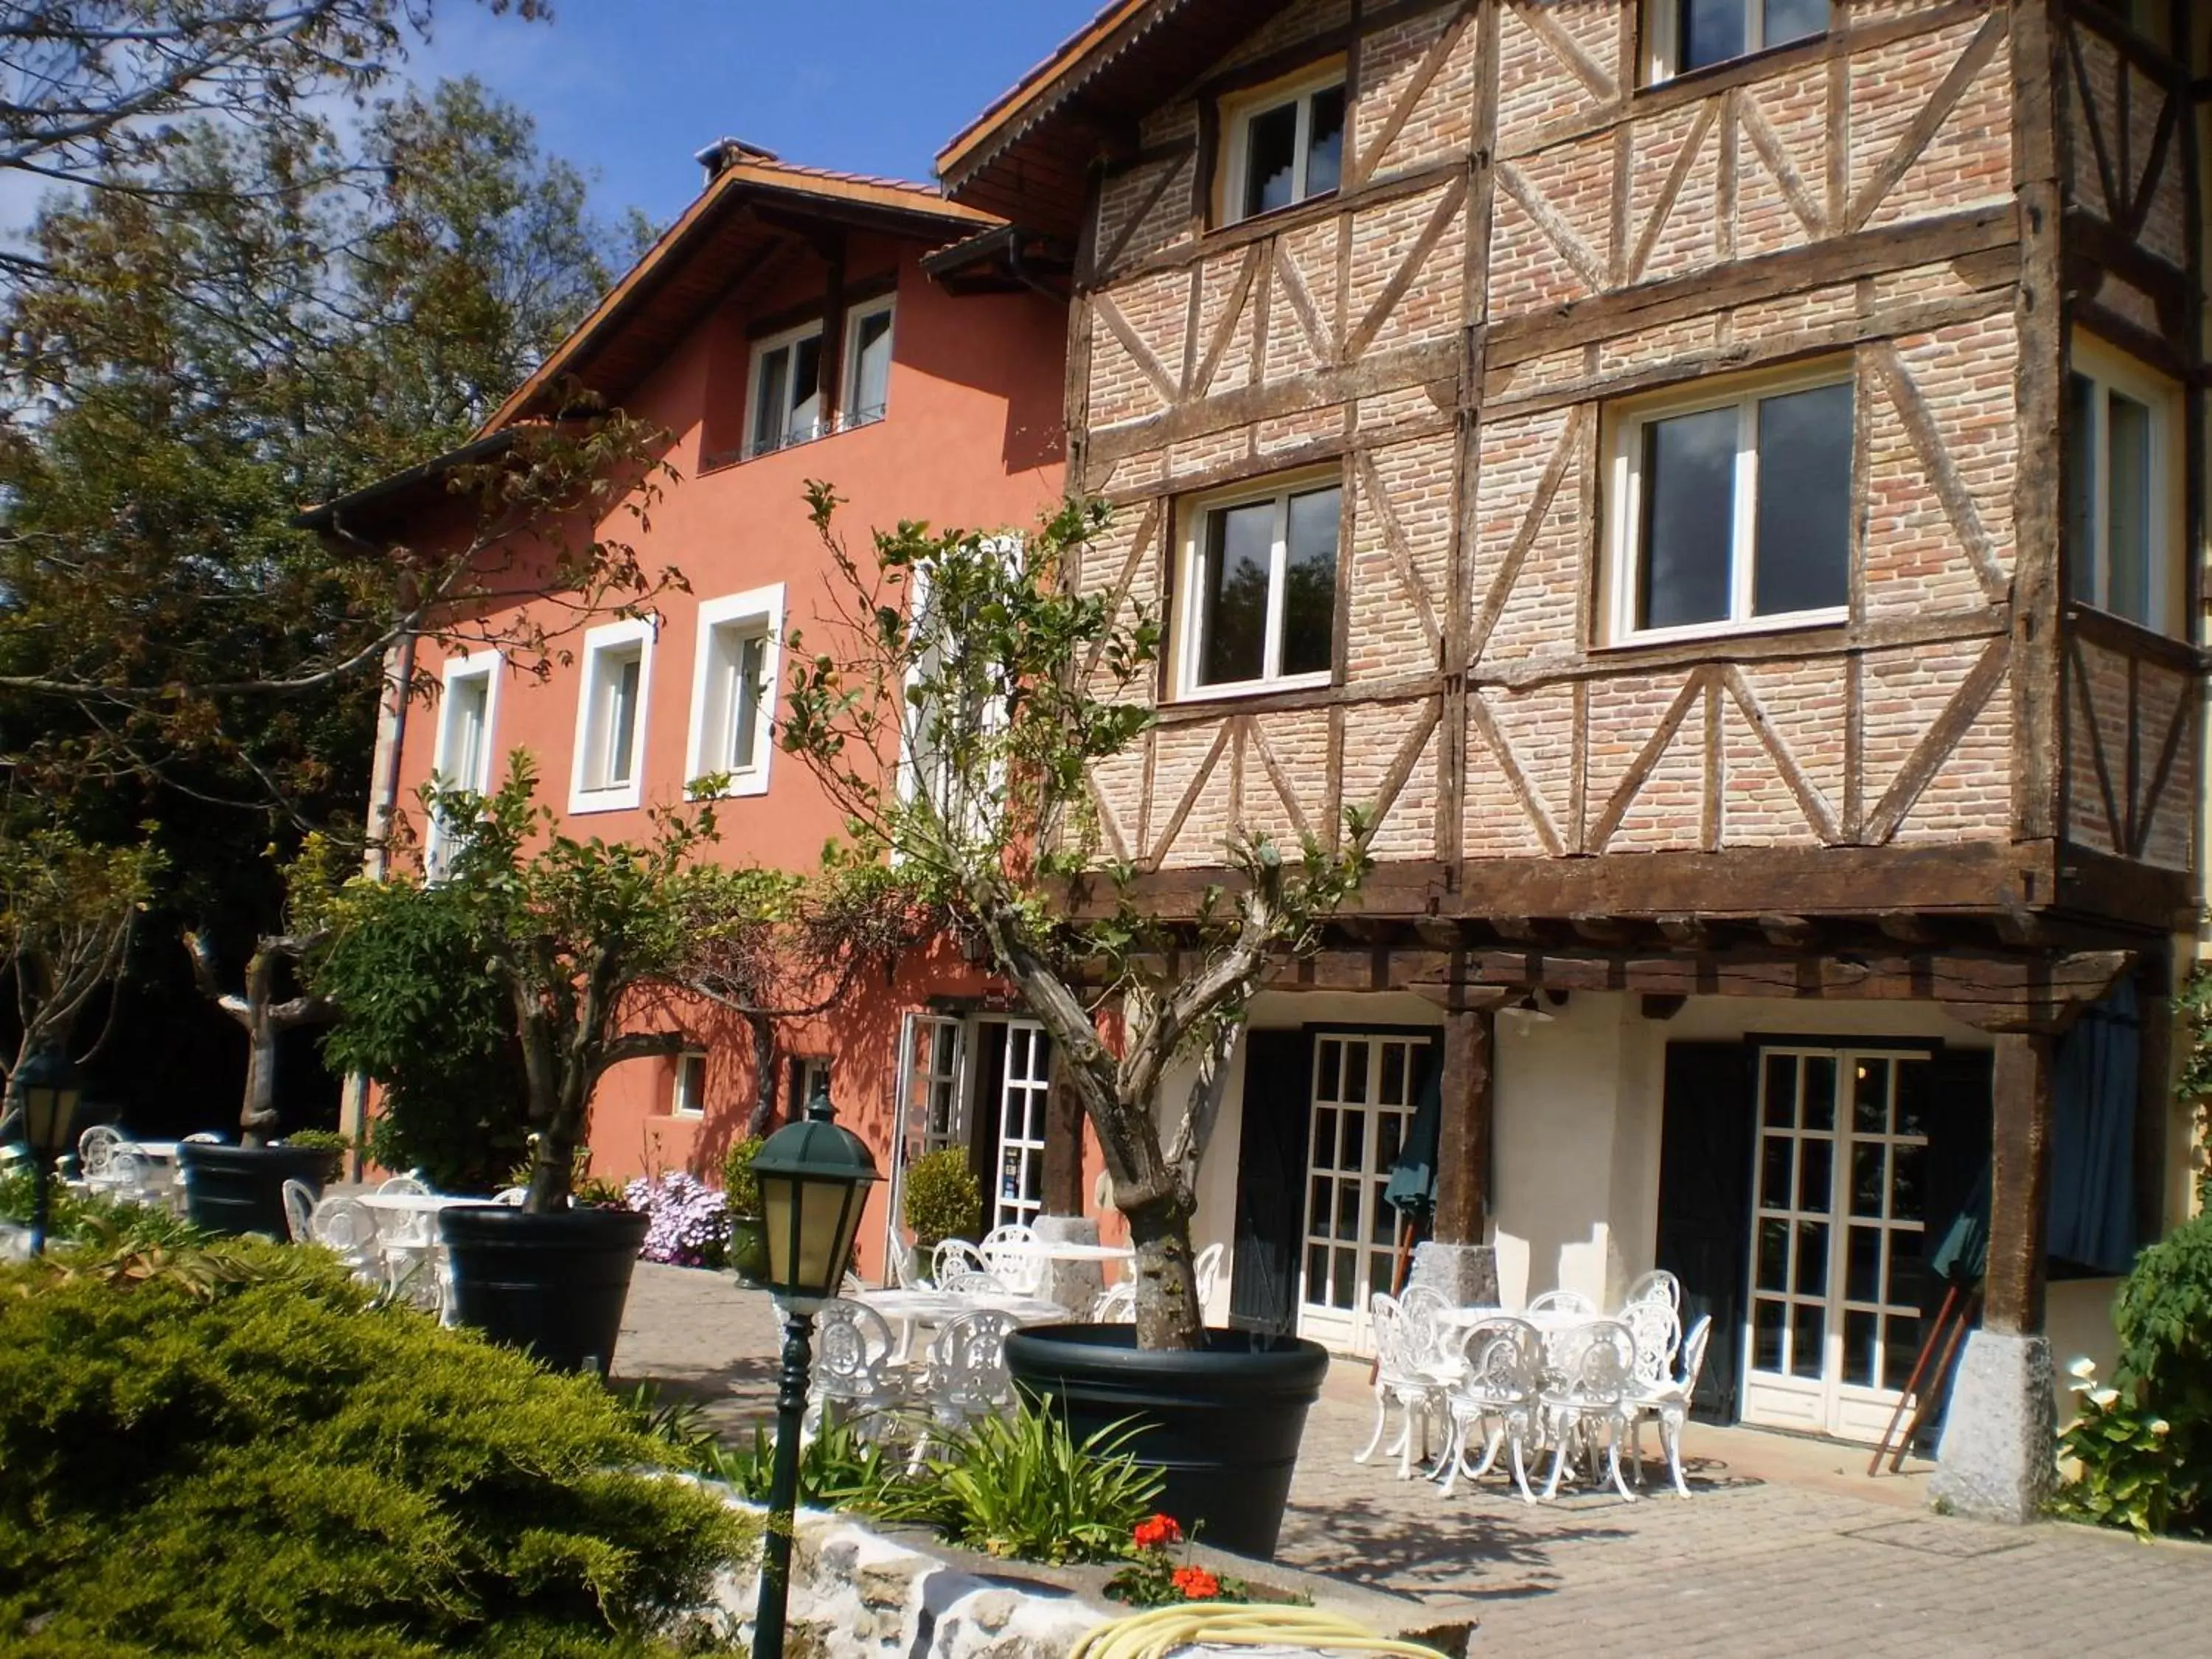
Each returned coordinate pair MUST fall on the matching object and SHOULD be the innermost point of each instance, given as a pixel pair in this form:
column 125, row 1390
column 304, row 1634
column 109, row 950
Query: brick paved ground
column 1786, row 1548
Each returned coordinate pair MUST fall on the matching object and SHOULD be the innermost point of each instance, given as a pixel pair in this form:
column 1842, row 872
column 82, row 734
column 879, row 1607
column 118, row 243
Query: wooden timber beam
column 2020, row 1184
column 1464, row 1130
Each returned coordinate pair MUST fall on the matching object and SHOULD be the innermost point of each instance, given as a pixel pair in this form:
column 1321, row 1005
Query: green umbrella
column 1413, row 1185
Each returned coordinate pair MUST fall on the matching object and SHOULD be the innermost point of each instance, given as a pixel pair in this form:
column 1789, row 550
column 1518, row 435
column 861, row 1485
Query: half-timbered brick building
column 1717, row 485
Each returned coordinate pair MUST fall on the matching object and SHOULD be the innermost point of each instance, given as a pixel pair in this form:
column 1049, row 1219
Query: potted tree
column 577, row 938
column 963, row 695
column 940, row 1198
column 741, row 1193
column 240, row 1190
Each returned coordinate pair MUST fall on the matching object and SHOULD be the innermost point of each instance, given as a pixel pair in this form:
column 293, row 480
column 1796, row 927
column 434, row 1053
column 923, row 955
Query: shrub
column 943, row 1198
column 2143, row 1445
column 688, row 1224
column 1020, row 1486
column 80, row 1215
column 326, row 1140
column 739, row 1186
column 232, row 1450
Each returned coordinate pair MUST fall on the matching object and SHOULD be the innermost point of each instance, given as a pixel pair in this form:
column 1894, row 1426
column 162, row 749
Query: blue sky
column 628, row 89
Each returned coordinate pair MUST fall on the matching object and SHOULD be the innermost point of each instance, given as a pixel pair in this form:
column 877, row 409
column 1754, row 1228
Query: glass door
column 1024, row 1090
column 933, row 1059
column 1363, row 1098
column 1839, row 1237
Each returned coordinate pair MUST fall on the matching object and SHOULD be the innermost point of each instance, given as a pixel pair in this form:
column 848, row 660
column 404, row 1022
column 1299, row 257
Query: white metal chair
column 409, row 1185
column 1010, row 1257
column 345, row 1227
column 1116, row 1304
column 1497, row 1389
column 1658, row 1336
column 1403, row 1377
column 966, row 1376
column 856, row 1372
column 204, row 1138
column 953, row 1255
column 1670, row 1402
column 966, row 1281
column 513, row 1197
column 299, row 1210
column 1587, row 1405
column 122, row 1173
column 1207, row 1270
column 899, row 1265
column 1566, row 1302
column 94, row 1147
column 1657, row 1285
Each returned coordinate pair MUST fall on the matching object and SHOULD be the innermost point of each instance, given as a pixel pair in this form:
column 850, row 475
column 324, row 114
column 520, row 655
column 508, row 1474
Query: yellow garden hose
column 1156, row 1633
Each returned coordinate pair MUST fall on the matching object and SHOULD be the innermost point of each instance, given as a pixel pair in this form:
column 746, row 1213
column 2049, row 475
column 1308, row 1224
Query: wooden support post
column 2020, row 1184
column 1463, row 1131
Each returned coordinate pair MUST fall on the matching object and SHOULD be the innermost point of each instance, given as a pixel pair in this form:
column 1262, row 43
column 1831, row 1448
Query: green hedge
column 230, row 1451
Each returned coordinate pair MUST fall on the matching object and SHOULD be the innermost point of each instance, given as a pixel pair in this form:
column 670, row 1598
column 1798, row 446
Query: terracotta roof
column 1026, row 155
column 641, row 318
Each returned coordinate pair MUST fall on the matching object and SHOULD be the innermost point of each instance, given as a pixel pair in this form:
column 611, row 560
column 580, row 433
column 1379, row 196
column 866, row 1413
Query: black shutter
column 1271, row 1178
column 1704, row 1203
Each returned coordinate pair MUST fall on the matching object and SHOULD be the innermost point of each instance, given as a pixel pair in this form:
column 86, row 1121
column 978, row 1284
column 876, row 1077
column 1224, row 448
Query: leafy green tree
column 955, row 710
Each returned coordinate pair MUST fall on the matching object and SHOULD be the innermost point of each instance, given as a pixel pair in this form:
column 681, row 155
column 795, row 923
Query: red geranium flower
column 1196, row 1583
column 1160, row 1530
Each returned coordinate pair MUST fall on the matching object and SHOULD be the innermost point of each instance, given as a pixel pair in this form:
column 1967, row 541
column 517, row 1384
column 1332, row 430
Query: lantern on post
column 46, row 1087
column 814, row 1177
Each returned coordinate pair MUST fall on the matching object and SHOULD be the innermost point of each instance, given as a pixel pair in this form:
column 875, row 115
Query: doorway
column 981, row 1084
column 1839, row 1237
column 1362, row 1092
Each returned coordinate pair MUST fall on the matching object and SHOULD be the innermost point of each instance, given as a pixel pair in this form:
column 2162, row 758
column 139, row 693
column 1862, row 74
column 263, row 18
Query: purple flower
column 689, row 1222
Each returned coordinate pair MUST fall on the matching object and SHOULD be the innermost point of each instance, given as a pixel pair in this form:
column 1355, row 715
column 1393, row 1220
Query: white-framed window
column 462, row 758
column 787, row 390
column 1259, row 590
column 1682, row 35
column 733, row 690
column 1286, row 146
column 610, row 716
column 868, row 389
column 809, row 1075
column 687, row 1092
column 2121, row 478
column 1731, row 509
column 940, row 739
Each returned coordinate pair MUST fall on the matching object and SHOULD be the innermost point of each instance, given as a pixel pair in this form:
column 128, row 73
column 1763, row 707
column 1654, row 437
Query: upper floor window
column 1259, row 586
column 733, row 689
column 786, row 383
column 687, row 1096
column 1732, row 510
column 1286, row 145
column 462, row 757
column 1693, row 35
column 610, row 716
column 868, row 388
column 2120, row 480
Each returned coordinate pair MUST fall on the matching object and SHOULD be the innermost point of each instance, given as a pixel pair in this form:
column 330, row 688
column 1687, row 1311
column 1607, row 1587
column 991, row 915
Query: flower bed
column 688, row 1220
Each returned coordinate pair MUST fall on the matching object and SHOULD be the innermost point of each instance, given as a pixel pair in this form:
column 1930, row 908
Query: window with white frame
column 733, row 690
column 868, row 389
column 810, row 1075
column 786, row 386
column 1286, row 145
column 1259, row 587
column 1682, row 35
column 2120, row 514
column 687, row 1094
column 1732, row 509
column 462, row 759
column 610, row 716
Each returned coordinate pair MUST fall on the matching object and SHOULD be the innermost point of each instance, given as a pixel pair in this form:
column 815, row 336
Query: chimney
column 723, row 151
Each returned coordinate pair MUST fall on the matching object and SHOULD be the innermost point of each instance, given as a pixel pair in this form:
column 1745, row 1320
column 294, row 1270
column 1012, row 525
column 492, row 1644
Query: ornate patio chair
column 1206, row 1271
column 345, row 1227
column 122, row 1173
column 857, row 1375
column 410, row 1184
column 299, row 1210
column 966, row 1376
column 513, row 1197
column 1567, row 1301
column 1657, row 1285
column 1404, row 1376
column 899, row 1265
column 971, row 1281
column 1668, row 1401
column 1588, row 1406
column 1497, row 1392
column 1116, row 1304
column 205, row 1138
column 1658, row 1336
column 94, row 1147
column 953, row 1255
column 1010, row 1257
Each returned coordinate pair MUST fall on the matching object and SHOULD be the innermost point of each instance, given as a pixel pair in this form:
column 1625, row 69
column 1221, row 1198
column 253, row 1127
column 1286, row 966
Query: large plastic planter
column 553, row 1284
column 1221, row 1424
column 240, row 1190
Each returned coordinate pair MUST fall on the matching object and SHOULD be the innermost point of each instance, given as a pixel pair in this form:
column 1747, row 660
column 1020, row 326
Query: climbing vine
column 2194, row 1086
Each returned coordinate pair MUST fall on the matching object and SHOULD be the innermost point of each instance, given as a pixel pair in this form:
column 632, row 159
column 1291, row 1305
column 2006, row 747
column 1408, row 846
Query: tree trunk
column 258, row 1122
column 1166, row 1312
column 763, row 1112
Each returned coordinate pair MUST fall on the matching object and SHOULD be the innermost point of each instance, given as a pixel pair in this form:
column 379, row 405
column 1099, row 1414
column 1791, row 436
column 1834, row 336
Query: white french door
column 932, row 1106
column 1025, row 1088
column 1839, row 1240
column 1363, row 1098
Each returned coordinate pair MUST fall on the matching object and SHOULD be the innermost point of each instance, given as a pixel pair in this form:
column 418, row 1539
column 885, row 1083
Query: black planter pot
column 1222, row 1423
column 552, row 1283
column 240, row 1190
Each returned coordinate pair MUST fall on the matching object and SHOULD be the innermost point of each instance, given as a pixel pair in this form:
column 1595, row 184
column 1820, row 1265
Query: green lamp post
column 814, row 1177
column 45, row 1086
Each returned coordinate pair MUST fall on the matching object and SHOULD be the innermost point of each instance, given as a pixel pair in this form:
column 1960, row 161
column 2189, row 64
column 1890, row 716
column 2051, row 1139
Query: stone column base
column 1075, row 1284
column 1467, row 1274
column 1998, row 1459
